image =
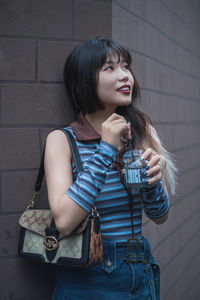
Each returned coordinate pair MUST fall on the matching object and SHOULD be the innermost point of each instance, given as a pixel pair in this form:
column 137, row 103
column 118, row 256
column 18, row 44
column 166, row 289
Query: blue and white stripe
column 99, row 185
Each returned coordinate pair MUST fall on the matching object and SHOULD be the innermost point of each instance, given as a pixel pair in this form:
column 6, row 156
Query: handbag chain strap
column 40, row 176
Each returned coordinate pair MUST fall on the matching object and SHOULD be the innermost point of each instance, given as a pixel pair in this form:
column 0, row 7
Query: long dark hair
column 81, row 75
column 81, row 72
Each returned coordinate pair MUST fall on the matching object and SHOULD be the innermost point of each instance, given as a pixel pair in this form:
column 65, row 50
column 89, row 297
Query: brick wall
column 35, row 38
column 164, row 38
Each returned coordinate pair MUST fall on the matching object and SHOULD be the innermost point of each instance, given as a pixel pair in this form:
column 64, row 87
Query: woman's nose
column 122, row 75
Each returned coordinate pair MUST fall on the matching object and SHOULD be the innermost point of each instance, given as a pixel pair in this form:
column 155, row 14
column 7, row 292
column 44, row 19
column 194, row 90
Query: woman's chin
column 125, row 102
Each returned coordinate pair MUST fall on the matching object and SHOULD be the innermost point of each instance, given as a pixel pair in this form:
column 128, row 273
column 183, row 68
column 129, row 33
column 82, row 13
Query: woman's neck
column 96, row 119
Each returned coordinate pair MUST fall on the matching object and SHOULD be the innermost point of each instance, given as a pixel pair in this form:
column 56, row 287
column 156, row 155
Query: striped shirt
column 99, row 185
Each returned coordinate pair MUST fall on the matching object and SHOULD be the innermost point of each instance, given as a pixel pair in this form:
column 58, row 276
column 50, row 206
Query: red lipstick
column 124, row 89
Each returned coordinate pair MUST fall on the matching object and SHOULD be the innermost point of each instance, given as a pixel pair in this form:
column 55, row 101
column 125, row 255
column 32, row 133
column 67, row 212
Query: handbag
column 41, row 241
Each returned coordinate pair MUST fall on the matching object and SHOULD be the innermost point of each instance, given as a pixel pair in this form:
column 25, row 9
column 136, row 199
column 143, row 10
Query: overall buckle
column 128, row 248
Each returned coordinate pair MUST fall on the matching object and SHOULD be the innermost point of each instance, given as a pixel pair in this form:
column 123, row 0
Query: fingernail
column 145, row 173
column 147, row 167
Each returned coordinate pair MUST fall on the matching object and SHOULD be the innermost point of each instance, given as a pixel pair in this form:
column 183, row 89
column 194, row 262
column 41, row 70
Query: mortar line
column 157, row 29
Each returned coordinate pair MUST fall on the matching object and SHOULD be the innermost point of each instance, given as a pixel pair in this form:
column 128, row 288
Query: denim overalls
column 129, row 271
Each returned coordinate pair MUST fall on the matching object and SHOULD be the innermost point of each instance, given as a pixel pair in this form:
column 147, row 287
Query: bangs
column 113, row 48
column 107, row 49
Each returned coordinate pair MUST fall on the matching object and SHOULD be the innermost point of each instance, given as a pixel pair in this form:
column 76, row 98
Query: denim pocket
column 109, row 263
column 154, row 280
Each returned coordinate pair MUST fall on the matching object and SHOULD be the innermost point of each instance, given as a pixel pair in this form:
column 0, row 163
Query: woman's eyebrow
column 109, row 62
column 113, row 62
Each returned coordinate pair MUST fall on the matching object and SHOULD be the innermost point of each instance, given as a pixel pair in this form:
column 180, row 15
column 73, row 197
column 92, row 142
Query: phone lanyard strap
column 118, row 165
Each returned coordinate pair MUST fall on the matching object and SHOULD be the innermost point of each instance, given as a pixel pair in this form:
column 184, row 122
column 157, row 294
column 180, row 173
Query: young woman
column 103, row 91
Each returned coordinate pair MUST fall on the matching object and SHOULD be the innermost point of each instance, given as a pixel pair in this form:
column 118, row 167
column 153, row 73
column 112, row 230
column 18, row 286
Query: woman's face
column 115, row 83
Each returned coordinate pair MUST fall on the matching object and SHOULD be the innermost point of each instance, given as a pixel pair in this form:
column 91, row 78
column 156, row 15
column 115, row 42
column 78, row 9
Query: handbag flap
column 36, row 220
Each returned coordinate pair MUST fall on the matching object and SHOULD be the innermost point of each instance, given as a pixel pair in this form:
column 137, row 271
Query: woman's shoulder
column 58, row 133
column 57, row 141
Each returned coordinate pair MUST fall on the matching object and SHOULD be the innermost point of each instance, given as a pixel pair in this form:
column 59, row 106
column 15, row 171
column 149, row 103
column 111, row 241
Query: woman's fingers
column 154, row 168
column 154, row 179
column 154, row 171
column 114, row 128
column 154, row 160
column 147, row 154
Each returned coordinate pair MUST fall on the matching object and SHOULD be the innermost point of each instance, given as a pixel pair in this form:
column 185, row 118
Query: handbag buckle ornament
column 50, row 243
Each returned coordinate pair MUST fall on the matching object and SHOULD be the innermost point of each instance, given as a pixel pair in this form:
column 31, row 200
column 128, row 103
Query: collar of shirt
column 83, row 130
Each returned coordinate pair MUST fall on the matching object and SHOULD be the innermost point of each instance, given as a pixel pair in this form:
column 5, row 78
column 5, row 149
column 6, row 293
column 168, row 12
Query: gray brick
column 36, row 18
column 185, row 255
column 156, row 76
column 19, row 148
column 168, row 52
column 158, row 235
column 35, row 104
column 92, row 19
column 171, row 109
column 184, row 287
column 17, row 190
column 51, row 59
column 155, row 19
column 186, row 11
column 9, row 230
column 17, row 59
column 127, row 37
column 187, row 159
column 168, row 22
column 184, row 232
column 192, row 290
column 179, row 136
column 188, row 182
column 115, row 22
column 26, row 280
column 180, row 84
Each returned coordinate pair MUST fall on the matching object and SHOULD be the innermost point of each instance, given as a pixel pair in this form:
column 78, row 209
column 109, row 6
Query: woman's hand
column 114, row 128
column 154, row 167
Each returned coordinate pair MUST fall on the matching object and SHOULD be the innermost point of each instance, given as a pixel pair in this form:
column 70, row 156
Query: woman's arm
column 70, row 202
column 156, row 203
column 58, row 170
column 155, row 196
column 164, row 218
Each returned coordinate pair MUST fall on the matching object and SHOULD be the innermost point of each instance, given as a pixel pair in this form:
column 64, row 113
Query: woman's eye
column 126, row 67
column 109, row 68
